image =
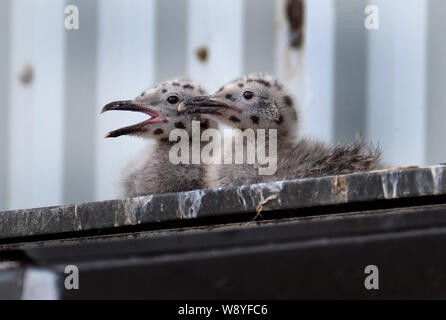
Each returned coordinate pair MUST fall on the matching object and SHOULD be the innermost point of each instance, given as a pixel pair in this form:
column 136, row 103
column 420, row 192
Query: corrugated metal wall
column 387, row 83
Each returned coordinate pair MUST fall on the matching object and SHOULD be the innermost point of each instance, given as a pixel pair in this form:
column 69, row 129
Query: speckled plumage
column 271, row 107
column 307, row 158
column 152, row 172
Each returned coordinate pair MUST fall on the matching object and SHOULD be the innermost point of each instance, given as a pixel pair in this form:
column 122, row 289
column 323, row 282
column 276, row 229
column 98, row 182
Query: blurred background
column 386, row 83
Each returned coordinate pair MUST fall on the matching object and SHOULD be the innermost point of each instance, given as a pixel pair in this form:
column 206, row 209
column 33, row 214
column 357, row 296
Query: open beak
column 129, row 105
column 206, row 105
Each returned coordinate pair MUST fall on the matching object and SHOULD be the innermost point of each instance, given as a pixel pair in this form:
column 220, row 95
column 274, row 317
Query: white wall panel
column 36, row 106
column 259, row 36
column 199, row 37
column 5, row 9
column 350, row 70
column 435, row 83
column 125, row 68
column 80, row 112
column 21, row 106
column 48, row 125
column 396, row 81
column 216, row 25
column 170, row 44
column 309, row 72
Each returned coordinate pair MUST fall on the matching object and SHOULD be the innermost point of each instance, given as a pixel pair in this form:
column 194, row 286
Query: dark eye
column 248, row 95
column 173, row 99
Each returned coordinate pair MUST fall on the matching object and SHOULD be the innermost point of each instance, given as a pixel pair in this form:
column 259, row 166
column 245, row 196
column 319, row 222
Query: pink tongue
column 151, row 119
column 154, row 119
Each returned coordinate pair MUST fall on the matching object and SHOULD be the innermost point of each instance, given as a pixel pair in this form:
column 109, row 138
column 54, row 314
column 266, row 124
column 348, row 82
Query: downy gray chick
column 259, row 101
column 152, row 172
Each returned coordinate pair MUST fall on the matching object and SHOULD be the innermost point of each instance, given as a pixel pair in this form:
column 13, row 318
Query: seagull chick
column 152, row 172
column 259, row 101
